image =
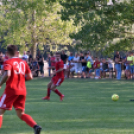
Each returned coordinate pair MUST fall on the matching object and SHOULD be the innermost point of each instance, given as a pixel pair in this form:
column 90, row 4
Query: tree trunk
column 33, row 50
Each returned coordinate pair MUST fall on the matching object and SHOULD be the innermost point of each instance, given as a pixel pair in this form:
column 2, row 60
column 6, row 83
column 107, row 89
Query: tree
column 101, row 23
column 32, row 23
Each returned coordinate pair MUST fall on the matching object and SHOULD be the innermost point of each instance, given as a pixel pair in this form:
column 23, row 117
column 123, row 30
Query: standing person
column 78, row 66
column 64, row 58
column 49, row 64
column 25, row 56
column 30, row 57
column 35, row 68
column 133, row 65
column 129, row 65
column 110, row 67
column 53, row 62
column 117, row 60
column 40, row 60
column 84, row 65
column 58, row 78
column 70, row 58
column 97, row 69
column 16, row 72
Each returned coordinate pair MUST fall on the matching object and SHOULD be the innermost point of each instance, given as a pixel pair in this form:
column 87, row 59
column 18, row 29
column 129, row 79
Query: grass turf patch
column 86, row 109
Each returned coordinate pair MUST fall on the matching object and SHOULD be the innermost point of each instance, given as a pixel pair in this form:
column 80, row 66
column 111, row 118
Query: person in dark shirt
column 40, row 60
column 30, row 58
column 64, row 57
column 84, row 65
column 104, row 67
column 117, row 59
column 35, row 68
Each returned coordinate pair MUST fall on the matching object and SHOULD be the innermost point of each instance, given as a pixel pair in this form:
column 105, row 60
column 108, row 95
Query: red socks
column 48, row 92
column 57, row 92
column 28, row 119
column 1, row 119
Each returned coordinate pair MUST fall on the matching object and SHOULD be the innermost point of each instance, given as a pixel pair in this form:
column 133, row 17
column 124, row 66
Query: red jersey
column 58, row 66
column 96, row 64
column 53, row 62
column 16, row 83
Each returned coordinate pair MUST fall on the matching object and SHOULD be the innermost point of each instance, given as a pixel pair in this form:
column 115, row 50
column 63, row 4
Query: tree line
column 100, row 25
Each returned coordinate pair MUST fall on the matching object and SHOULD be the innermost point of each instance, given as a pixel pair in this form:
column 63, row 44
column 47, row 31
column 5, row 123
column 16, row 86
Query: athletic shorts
column 8, row 100
column 128, row 67
column 84, row 68
column 57, row 81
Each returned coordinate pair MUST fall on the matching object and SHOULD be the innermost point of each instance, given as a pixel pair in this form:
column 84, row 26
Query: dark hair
column 11, row 49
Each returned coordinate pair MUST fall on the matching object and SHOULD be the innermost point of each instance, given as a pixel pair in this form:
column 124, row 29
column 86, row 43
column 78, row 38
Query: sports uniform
column 59, row 78
column 56, row 80
column 15, row 91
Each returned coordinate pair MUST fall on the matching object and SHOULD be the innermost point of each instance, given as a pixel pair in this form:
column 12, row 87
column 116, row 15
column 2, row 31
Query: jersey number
column 20, row 68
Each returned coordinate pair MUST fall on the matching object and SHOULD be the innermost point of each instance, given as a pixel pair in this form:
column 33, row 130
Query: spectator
column 25, row 56
column 64, row 57
column 72, row 68
column 104, row 68
column 53, row 61
column 117, row 60
column 35, row 68
column 90, row 70
column 70, row 58
column 110, row 67
column 129, row 65
column 49, row 64
column 133, row 65
column 30, row 57
column 89, row 58
column 1, row 63
column 84, row 63
column 96, row 67
column 78, row 66
column 40, row 60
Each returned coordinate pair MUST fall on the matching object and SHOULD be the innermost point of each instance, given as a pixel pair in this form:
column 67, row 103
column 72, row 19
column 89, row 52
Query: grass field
column 87, row 108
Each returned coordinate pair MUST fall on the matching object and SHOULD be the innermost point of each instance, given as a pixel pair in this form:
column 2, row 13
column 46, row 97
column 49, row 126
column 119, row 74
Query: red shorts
column 57, row 81
column 7, row 101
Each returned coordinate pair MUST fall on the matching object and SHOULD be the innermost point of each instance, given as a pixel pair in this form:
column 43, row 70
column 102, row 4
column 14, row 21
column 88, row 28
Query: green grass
column 87, row 108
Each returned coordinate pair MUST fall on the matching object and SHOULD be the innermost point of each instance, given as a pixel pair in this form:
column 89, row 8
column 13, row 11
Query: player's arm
column 51, row 67
column 61, row 68
column 28, row 77
column 6, row 75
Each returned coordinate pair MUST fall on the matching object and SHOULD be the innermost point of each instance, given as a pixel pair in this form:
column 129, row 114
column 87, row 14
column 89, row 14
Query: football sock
column 1, row 119
column 28, row 119
column 48, row 92
column 57, row 92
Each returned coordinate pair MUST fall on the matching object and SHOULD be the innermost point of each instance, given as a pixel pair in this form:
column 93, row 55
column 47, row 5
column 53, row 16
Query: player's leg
column 2, row 111
column 48, row 91
column 19, row 105
column 54, row 88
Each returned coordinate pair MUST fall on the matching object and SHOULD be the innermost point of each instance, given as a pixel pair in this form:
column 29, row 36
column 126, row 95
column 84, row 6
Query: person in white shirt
column 25, row 56
column 78, row 65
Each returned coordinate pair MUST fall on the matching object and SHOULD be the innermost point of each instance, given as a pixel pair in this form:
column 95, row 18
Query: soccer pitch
column 86, row 109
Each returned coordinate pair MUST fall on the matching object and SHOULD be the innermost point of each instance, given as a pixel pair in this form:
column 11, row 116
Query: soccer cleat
column 46, row 98
column 61, row 97
column 37, row 130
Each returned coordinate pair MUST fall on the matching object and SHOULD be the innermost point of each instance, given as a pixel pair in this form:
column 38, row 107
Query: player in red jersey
column 16, row 72
column 58, row 78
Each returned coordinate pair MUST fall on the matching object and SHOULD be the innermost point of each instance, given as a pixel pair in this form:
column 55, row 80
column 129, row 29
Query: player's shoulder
column 12, row 60
column 61, row 61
